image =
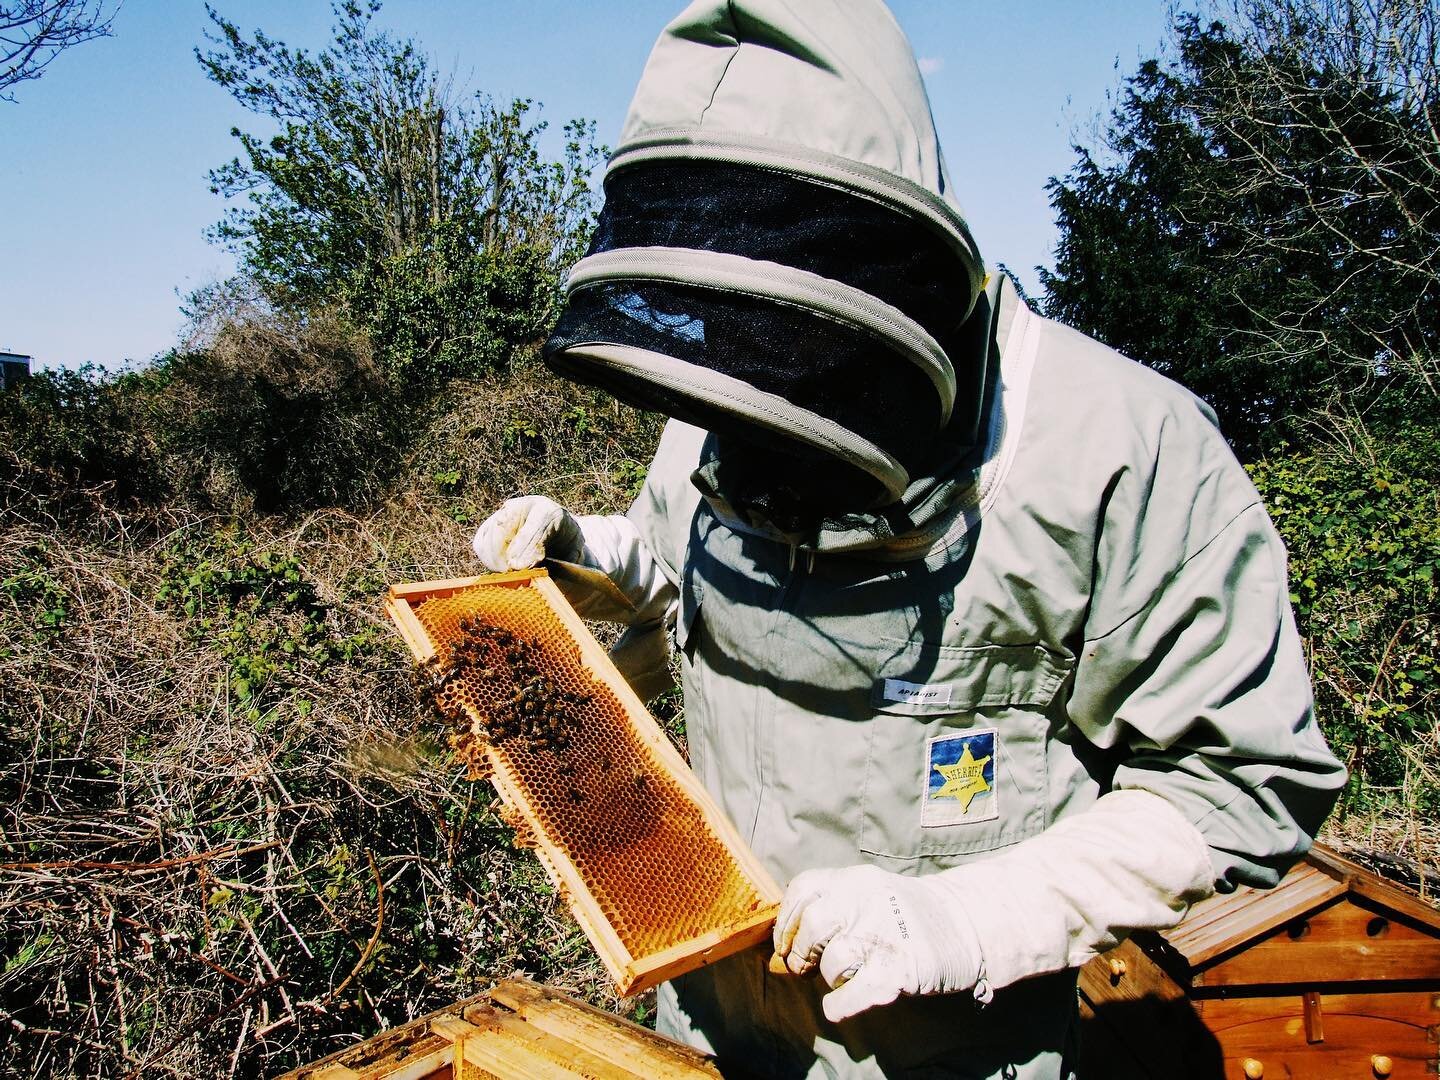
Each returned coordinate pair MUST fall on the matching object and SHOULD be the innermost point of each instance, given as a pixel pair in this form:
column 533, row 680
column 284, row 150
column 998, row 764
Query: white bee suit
column 1109, row 614
column 1054, row 679
column 1105, row 610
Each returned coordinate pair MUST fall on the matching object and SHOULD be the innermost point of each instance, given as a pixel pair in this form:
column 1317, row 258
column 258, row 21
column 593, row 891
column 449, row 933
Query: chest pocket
column 956, row 762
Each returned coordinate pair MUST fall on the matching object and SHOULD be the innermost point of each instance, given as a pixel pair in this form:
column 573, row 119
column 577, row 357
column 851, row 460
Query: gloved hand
column 1130, row 862
column 876, row 935
column 524, row 531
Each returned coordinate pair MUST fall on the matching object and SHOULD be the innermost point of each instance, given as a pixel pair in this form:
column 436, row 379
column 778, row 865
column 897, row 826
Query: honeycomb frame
column 633, row 963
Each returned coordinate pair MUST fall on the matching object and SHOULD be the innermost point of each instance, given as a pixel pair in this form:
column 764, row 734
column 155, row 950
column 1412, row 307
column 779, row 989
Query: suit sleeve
column 1192, row 672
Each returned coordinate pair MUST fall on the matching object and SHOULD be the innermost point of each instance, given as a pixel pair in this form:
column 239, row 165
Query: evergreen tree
column 1261, row 222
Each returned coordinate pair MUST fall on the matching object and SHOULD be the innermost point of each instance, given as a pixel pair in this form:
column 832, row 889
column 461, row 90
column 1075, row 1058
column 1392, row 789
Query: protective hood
column 779, row 257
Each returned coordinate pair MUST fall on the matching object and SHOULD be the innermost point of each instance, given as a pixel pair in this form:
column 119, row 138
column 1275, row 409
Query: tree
column 1354, row 85
column 34, row 32
column 440, row 225
column 1261, row 218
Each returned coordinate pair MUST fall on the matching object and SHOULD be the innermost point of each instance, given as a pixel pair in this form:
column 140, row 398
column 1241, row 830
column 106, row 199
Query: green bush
column 73, row 436
column 37, row 598
column 285, row 412
column 270, row 412
column 259, row 611
column 437, row 221
column 1364, row 538
column 448, row 310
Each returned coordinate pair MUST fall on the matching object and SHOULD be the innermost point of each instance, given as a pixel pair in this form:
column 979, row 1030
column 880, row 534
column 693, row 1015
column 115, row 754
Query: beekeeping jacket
column 1062, row 582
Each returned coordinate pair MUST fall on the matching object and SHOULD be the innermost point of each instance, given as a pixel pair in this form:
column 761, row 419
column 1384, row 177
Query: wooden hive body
column 654, row 873
column 1333, row 973
column 517, row 1029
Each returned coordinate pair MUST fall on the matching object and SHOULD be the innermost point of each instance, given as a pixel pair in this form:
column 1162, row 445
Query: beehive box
column 654, row 873
column 1333, row 973
column 516, row 1029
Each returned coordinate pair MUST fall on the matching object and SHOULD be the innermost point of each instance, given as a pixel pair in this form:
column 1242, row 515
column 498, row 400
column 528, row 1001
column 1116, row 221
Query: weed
column 37, row 597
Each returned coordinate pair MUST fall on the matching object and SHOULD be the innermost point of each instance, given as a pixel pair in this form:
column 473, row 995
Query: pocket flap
column 921, row 679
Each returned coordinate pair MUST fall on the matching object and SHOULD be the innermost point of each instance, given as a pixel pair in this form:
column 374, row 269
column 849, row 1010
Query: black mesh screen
column 860, row 489
column 761, row 214
column 830, row 368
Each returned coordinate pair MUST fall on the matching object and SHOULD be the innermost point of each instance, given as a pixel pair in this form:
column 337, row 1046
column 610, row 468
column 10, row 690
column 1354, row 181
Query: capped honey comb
column 653, row 871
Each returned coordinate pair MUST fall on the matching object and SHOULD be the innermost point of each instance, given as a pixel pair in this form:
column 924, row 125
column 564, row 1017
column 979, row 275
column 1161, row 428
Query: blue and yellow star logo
column 963, row 780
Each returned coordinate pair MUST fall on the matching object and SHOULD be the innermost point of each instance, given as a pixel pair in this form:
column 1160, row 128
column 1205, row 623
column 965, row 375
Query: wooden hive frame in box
column 517, row 1028
column 655, row 874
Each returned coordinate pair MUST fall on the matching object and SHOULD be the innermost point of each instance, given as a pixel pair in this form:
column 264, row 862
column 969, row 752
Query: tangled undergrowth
column 233, row 837
column 230, row 841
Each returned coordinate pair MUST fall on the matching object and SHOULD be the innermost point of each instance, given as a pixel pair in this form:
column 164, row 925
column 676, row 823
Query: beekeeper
column 983, row 632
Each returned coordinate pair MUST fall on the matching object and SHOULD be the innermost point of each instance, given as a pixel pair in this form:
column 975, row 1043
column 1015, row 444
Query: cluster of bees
column 531, row 705
column 517, row 700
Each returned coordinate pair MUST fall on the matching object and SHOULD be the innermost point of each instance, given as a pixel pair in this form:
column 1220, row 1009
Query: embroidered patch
column 917, row 693
column 960, row 771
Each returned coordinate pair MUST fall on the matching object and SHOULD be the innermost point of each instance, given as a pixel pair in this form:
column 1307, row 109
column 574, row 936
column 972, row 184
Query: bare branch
column 34, row 32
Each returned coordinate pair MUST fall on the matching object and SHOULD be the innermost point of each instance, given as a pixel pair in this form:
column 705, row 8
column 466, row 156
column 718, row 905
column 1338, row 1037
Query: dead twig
column 374, row 938
column 204, row 1022
column 136, row 867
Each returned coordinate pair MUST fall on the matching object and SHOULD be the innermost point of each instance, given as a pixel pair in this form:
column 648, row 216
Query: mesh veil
column 762, row 214
column 848, row 373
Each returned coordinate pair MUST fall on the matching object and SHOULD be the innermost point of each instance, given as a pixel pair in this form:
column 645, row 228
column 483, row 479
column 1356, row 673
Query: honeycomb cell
column 512, row 678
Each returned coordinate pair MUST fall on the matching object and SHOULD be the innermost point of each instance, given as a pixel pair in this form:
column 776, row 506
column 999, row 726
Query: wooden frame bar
column 631, row 974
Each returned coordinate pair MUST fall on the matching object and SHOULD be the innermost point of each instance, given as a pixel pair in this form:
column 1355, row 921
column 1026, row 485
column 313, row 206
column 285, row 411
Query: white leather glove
column 523, row 531
column 1130, row 862
column 876, row 935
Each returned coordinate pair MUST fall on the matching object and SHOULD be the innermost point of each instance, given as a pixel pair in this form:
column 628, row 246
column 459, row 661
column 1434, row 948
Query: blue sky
column 103, row 192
